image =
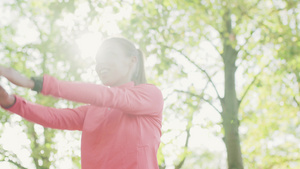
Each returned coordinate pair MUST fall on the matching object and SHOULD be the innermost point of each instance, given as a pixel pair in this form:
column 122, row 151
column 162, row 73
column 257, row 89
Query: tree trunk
column 230, row 103
column 230, row 111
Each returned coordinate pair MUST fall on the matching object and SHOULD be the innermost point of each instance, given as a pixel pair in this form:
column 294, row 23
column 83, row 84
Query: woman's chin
column 106, row 82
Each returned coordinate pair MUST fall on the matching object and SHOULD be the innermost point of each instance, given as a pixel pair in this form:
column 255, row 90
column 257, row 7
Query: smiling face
column 114, row 66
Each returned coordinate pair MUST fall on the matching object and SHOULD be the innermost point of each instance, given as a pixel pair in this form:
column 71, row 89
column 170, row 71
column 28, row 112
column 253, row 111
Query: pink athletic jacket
column 121, row 126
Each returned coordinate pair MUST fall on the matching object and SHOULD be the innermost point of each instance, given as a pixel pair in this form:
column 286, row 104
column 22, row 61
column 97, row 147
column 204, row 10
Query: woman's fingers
column 6, row 100
column 3, row 95
column 16, row 77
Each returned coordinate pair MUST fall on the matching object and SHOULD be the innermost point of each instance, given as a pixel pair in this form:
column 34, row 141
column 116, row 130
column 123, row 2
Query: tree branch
column 14, row 163
column 10, row 156
column 246, row 41
column 250, row 36
column 178, row 166
column 188, row 129
column 193, row 94
column 244, row 57
column 202, row 70
column 215, row 46
column 251, row 84
column 297, row 102
column 259, row 24
column 246, row 13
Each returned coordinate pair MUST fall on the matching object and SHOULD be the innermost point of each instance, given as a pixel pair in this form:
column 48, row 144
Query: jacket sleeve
column 144, row 99
column 70, row 119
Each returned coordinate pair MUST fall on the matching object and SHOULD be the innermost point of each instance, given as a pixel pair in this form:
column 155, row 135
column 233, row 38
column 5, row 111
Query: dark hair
column 139, row 76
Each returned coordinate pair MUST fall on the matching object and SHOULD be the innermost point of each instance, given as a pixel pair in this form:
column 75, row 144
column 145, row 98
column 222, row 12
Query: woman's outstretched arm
column 140, row 100
column 70, row 119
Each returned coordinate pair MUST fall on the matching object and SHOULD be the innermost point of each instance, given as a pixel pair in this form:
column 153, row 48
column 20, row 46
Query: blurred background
column 229, row 71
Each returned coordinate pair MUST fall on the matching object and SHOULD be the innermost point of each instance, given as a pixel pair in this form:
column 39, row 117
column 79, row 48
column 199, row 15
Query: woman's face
column 114, row 68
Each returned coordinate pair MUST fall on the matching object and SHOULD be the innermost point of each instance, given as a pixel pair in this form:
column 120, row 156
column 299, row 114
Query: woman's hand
column 16, row 78
column 6, row 100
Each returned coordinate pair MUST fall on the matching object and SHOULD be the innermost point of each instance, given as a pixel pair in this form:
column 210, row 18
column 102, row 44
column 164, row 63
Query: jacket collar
column 126, row 85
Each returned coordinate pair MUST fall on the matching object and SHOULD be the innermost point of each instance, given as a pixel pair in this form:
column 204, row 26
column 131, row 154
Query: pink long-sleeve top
column 121, row 126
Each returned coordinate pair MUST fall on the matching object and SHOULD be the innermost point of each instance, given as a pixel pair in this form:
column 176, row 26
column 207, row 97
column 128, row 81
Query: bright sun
column 88, row 43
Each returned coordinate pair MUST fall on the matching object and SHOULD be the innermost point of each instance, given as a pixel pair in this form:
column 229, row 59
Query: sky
column 14, row 139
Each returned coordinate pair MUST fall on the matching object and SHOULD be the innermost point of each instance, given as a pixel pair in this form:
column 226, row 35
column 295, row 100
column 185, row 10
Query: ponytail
column 139, row 76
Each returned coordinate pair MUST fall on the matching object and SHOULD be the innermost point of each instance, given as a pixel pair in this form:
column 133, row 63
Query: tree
column 239, row 32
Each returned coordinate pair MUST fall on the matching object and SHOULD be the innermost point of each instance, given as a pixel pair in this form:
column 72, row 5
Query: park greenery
column 229, row 71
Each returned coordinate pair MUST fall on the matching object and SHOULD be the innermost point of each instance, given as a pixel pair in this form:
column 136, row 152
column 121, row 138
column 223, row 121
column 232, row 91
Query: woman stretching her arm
column 121, row 123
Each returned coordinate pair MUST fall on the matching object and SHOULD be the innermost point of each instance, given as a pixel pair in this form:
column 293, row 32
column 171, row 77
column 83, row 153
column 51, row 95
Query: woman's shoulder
column 147, row 85
column 150, row 88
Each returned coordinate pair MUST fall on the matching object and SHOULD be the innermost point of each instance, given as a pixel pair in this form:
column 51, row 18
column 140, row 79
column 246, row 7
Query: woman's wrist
column 30, row 84
column 37, row 83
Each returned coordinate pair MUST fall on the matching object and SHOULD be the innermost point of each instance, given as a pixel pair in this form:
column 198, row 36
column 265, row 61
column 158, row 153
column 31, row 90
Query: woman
column 121, row 123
